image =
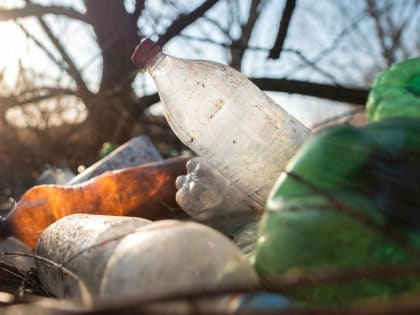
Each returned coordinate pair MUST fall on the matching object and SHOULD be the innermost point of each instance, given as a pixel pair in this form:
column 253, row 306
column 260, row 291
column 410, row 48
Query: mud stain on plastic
column 218, row 105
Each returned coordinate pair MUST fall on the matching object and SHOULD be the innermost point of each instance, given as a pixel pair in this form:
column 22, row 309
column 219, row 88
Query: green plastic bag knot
column 396, row 92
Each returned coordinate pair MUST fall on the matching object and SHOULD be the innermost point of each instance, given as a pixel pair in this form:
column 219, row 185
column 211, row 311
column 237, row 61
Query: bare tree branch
column 41, row 46
column 33, row 96
column 331, row 92
column 239, row 45
column 72, row 70
column 224, row 30
column 344, row 117
column 185, row 20
column 283, row 28
column 39, row 10
column 381, row 36
column 138, row 10
column 348, row 29
column 405, row 305
column 147, row 101
column 238, row 54
column 396, row 37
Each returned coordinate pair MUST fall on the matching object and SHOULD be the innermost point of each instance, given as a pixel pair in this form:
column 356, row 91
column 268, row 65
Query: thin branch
column 72, row 70
column 148, row 100
column 314, row 66
column 138, row 10
column 41, row 46
column 33, row 96
column 85, row 296
column 254, row 13
column 223, row 44
column 338, row 118
column 215, row 23
column 14, row 279
column 39, row 10
column 336, row 41
column 409, row 305
column 337, row 205
column 239, row 45
column 185, row 20
column 342, row 94
column 380, row 32
column 283, row 28
column 246, row 31
column 396, row 37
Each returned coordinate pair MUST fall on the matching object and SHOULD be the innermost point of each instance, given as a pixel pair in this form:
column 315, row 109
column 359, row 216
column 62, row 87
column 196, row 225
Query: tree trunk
column 116, row 32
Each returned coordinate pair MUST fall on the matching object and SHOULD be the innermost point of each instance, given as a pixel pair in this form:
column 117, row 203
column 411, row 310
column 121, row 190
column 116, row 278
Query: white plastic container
column 174, row 257
column 82, row 243
column 118, row 258
column 222, row 116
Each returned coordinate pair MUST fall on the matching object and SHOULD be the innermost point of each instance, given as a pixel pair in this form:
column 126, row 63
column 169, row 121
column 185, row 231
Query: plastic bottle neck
column 154, row 62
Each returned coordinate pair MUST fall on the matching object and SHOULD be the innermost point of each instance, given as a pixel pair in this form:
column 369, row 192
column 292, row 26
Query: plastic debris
column 396, row 92
column 223, row 117
column 147, row 191
column 163, row 258
column 136, row 151
column 208, row 197
column 81, row 243
column 349, row 199
column 135, row 258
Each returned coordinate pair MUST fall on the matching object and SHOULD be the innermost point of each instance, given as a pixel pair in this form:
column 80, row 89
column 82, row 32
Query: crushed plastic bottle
column 82, row 243
column 208, row 197
column 223, row 117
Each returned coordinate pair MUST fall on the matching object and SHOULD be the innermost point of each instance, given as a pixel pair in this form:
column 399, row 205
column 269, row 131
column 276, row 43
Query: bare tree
column 116, row 109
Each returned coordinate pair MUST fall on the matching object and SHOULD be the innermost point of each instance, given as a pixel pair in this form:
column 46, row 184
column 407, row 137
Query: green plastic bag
column 340, row 204
column 396, row 92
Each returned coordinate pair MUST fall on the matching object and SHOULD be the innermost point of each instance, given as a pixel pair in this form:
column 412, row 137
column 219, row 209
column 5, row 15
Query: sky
column 313, row 29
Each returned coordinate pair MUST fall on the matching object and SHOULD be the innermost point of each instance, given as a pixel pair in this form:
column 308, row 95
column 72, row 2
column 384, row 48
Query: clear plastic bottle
column 222, row 116
column 146, row 191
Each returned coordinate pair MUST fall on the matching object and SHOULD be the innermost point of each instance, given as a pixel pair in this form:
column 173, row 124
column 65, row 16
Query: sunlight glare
column 48, row 113
column 11, row 48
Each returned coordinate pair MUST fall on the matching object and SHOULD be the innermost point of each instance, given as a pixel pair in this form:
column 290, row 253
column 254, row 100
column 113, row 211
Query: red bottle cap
column 145, row 51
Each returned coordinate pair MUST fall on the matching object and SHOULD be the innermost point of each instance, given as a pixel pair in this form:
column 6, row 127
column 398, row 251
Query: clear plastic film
column 208, row 196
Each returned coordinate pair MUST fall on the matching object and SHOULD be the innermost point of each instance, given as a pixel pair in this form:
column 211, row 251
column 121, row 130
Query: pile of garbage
column 264, row 218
